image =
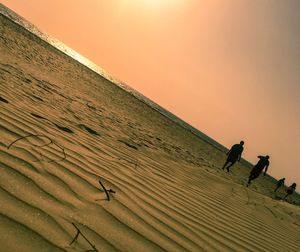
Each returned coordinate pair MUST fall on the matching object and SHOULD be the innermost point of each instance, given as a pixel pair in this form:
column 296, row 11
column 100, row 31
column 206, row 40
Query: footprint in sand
column 3, row 100
column 91, row 131
column 128, row 144
column 38, row 116
column 58, row 126
column 37, row 98
column 65, row 129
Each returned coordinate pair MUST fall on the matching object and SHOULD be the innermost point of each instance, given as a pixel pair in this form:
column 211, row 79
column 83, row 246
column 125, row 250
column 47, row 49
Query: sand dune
column 170, row 192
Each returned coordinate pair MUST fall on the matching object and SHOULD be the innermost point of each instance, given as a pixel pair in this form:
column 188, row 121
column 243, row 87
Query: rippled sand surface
column 73, row 127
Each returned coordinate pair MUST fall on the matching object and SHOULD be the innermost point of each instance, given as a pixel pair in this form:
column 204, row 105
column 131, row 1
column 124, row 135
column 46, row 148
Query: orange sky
column 230, row 68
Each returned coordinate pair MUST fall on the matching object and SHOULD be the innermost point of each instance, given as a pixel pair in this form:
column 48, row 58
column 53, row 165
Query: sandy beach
column 64, row 127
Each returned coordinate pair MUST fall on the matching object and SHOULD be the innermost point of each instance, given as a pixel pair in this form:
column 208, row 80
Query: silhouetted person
column 262, row 163
column 280, row 183
column 290, row 190
column 233, row 155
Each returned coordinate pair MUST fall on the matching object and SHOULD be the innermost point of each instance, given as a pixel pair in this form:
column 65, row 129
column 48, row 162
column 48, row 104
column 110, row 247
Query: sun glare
column 161, row 3
column 154, row 5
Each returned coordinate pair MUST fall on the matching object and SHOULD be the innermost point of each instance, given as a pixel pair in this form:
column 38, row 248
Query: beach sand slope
column 63, row 128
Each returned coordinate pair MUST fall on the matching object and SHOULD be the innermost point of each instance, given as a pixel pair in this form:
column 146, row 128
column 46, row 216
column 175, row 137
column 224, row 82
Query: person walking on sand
column 262, row 163
column 280, row 183
column 290, row 190
column 233, row 155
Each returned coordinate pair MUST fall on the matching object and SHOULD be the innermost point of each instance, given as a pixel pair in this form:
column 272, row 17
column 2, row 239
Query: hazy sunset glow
column 153, row 4
column 229, row 68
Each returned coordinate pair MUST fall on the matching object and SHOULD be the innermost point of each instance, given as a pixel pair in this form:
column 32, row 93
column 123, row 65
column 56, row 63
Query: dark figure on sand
column 262, row 163
column 280, row 183
column 290, row 190
column 233, row 155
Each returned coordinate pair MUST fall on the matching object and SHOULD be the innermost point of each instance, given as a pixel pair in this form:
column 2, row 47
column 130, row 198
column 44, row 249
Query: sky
column 230, row 68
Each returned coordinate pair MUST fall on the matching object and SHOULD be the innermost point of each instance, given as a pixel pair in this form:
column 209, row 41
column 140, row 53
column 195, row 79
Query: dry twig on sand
column 84, row 237
column 106, row 191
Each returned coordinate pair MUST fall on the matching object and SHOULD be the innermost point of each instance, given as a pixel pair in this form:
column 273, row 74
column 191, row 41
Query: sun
column 160, row 3
column 154, row 5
